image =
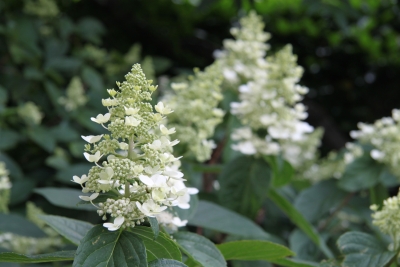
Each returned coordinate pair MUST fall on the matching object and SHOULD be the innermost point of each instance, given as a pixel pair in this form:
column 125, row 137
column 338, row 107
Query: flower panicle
column 133, row 162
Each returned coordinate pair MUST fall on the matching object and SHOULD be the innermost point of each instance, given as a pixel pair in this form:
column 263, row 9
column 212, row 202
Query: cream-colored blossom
column 75, row 95
column 139, row 168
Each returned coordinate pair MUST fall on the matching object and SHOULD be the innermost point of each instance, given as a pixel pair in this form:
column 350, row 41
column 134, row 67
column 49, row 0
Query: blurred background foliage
column 57, row 59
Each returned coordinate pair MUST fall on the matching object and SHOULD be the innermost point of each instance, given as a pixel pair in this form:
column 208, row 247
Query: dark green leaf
column 79, row 169
column 154, row 226
column 298, row 219
column 166, row 263
column 49, row 257
column 215, row 217
column 101, row 247
column 282, row 171
column 253, row 250
column 200, row 249
column 21, row 190
column 92, row 78
column 362, row 173
column 361, row 249
column 64, row 132
column 12, row 166
column 17, row 224
column 64, row 197
column 43, row 137
column 71, row 229
column 303, row 247
column 161, row 248
column 8, row 138
column 294, row 263
column 244, row 182
column 315, row 202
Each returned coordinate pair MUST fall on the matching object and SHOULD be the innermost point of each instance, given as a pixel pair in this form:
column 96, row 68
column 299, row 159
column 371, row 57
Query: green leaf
column 17, row 224
column 299, row 220
column 14, row 169
column 21, row 190
column 64, row 197
column 154, row 226
column 303, row 247
column 315, row 202
column 161, row 248
column 294, row 263
column 91, row 77
column 49, row 257
column 243, row 184
column 215, row 217
column 361, row 249
column 200, row 249
column 8, row 138
column 65, row 176
column 101, row 247
column 253, row 250
column 362, row 173
column 73, row 230
column 166, row 263
column 282, row 171
column 64, row 132
column 43, row 137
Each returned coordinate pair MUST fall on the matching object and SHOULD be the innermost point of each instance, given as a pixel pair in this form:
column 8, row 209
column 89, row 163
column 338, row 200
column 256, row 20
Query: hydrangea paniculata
column 135, row 173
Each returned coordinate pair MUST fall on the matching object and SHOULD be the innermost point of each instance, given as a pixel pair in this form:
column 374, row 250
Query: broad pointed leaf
column 49, row 257
column 17, row 224
column 73, row 230
column 101, row 247
column 161, row 248
column 64, row 197
column 200, row 249
column 361, row 249
column 244, row 182
column 215, row 217
column 166, row 263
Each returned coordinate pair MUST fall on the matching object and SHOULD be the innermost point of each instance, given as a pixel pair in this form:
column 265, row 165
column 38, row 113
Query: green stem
column 130, row 149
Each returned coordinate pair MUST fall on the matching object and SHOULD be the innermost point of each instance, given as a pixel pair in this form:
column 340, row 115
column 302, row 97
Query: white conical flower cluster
column 384, row 136
column 269, row 96
column 134, row 165
column 5, row 186
column 387, row 219
column 196, row 114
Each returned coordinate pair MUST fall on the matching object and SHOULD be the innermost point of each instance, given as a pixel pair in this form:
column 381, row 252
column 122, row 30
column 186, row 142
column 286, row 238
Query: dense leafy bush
column 219, row 167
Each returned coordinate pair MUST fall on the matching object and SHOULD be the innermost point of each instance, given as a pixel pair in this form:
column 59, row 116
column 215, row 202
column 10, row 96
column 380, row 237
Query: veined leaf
column 361, row 249
column 163, row 247
column 73, row 230
column 101, row 247
column 200, row 249
column 243, row 182
column 166, row 263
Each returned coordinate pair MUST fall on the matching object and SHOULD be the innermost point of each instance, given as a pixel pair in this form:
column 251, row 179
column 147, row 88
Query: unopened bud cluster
column 75, row 97
column 134, row 163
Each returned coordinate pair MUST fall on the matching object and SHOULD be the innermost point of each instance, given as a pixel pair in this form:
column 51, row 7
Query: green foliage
column 361, row 249
column 71, row 229
column 49, row 257
column 161, row 247
column 200, row 249
column 253, row 250
column 120, row 248
column 244, row 182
